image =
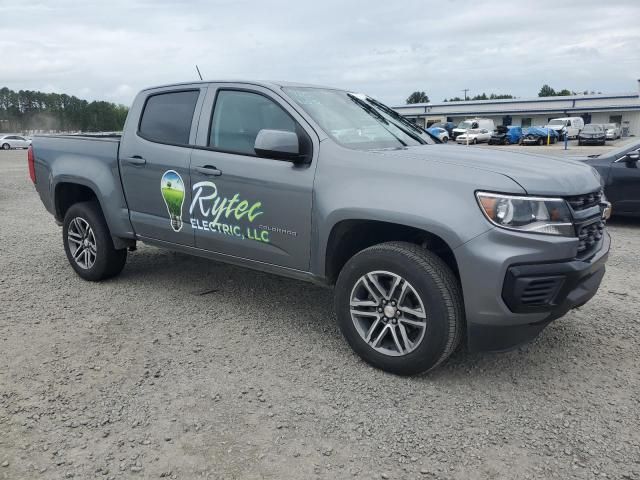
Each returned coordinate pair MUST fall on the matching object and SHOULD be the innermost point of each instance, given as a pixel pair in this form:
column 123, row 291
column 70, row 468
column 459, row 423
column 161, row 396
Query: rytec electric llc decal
column 220, row 213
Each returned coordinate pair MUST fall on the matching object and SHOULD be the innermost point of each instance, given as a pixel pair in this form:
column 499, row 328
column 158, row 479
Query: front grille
column 582, row 202
column 589, row 236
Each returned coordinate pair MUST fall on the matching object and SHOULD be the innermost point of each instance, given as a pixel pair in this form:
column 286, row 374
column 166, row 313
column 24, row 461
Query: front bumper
column 537, row 280
column 592, row 141
column 534, row 141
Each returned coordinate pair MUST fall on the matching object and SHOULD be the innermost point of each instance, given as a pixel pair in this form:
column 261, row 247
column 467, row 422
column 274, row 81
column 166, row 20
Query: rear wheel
column 88, row 243
column 541, row 141
column 6, row 146
column 400, row 307
column 445, row 139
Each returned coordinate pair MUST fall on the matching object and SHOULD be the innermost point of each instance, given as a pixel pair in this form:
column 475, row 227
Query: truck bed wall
column 88, row 161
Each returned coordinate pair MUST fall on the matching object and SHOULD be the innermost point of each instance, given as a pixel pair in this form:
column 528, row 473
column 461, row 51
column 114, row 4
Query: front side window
column 167, row 117
column 357, row 121
column 238, row 117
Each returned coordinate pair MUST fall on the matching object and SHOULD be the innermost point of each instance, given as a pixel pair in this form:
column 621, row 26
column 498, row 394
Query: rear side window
column 167, row 117
column 239, row 116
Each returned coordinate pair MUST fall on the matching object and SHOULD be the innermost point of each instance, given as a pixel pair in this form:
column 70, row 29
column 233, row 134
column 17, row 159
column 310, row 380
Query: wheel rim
column 6, row 146
column 388, row 313
column 82, row 243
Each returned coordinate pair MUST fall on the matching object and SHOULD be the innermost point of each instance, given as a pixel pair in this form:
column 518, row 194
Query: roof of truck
column 262, row 83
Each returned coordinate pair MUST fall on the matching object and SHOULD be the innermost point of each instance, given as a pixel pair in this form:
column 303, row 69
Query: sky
column 102, row 50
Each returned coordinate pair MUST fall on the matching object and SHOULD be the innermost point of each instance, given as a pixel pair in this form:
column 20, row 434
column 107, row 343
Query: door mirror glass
column 278, row 144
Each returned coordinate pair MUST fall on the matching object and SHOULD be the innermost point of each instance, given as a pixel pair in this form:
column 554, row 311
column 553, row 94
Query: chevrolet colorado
column 423, row 243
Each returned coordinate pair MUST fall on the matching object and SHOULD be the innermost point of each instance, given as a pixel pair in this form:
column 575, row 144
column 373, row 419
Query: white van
column 566, row 125
column 473, row 124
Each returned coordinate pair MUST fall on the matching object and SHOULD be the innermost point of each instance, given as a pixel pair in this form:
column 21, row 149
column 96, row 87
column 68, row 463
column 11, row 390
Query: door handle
column 135, row 160
column 209, row 170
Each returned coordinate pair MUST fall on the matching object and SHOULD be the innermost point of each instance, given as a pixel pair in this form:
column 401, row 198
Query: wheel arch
column 350, row 236
column 69, row 192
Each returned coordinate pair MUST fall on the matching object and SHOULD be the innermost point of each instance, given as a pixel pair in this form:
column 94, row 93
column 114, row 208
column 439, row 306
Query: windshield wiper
column 392, row 113
column 374, row 113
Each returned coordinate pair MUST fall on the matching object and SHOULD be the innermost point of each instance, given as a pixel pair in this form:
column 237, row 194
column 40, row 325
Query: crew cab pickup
column 423, row 243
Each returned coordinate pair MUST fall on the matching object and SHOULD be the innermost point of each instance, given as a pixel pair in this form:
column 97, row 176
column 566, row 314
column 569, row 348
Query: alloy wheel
column 82, row 243
column 388, row 313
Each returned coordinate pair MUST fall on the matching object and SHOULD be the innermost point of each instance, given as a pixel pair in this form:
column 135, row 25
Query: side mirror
column 279, row 145
column 633, row 156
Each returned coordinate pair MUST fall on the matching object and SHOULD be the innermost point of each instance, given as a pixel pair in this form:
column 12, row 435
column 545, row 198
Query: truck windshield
column 357, row 121
column 556, row 122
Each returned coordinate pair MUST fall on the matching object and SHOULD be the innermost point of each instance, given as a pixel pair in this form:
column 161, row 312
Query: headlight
column 549, row 216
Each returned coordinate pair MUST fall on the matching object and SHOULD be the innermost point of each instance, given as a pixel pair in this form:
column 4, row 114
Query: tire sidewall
column 89, row 212
column 437, row 331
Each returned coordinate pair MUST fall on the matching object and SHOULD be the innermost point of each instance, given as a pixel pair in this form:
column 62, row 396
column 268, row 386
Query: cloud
column 110, row 50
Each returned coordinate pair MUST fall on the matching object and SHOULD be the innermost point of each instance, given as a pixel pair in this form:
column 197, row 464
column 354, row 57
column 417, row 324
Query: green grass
column 174, row 198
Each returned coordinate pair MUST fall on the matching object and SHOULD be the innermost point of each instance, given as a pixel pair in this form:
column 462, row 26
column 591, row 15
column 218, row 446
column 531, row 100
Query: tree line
column 30, row 110
column 545, row 91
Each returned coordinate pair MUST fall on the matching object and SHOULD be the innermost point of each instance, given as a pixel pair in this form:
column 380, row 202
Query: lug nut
column 380, row 309
column 394, row 321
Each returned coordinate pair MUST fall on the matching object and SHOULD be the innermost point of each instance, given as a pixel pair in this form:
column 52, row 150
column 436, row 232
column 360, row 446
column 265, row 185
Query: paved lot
column 183, row 368
column 557, row 149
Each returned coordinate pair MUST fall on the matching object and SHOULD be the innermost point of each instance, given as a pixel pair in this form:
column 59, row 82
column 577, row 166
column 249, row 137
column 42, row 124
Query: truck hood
column 557, row 128
column 536, row 174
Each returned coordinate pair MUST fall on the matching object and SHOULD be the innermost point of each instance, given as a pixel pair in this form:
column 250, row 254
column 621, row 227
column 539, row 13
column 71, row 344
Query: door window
column 167, row 117
column 239, row 116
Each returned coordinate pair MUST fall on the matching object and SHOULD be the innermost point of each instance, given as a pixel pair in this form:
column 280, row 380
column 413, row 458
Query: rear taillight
column 32, row 167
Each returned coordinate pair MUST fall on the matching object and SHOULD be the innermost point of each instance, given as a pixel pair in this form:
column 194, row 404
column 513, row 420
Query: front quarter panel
column 426, row 194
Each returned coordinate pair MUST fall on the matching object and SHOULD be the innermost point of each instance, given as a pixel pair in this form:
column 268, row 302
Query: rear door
column 248, row 206
column 154, row 162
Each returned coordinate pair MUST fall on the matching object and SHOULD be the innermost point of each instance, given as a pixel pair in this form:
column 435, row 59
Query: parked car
column 474, row 136
column 569, row 126
column 538, row 136
column 8, row 142
column 620, row 173
column 279, row 177
column 448, row 126
column 505, row 135
column 439, row 133
column 592, row 134
column 473, row 124
column 612, row 131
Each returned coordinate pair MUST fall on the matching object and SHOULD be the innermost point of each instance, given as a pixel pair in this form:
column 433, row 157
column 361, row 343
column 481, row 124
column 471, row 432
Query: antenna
column 198, row 70
column 465, row 93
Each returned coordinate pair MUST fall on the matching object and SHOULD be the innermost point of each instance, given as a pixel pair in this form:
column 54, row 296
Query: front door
column 623, row 187
column 244, row 205
column 154, row 165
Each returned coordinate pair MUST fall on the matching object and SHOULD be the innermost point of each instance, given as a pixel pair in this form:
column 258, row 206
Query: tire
column 540, row 141
column 474, row 142
column 85, row 227
column 6, row 146
column 431, row 290
column 445, row 139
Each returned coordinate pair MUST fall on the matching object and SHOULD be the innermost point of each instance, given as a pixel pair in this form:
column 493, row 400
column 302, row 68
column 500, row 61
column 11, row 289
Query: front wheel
column 88, row 243
column 445, row 139
column 399, row 307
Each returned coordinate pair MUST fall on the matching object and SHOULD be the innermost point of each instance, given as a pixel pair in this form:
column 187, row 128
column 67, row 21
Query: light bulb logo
column 172, row 188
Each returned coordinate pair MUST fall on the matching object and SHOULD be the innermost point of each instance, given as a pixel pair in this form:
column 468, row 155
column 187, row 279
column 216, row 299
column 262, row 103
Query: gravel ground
column 185, row 368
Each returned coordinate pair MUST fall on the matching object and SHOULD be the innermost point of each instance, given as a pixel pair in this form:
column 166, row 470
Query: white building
column 623, row 109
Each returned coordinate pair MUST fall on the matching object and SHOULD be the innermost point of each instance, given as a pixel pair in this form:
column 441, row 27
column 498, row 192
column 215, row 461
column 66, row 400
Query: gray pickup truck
column 424, row 243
